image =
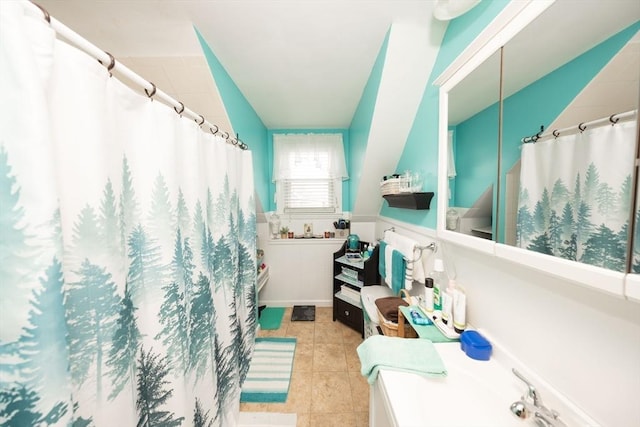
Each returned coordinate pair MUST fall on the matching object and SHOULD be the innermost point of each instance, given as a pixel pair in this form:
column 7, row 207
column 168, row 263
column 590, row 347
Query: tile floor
column 326, row 386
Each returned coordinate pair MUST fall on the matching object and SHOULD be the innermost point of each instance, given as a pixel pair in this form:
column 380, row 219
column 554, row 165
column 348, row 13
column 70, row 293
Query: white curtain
column 127, row 257
column 323, row 155
column 575, row 195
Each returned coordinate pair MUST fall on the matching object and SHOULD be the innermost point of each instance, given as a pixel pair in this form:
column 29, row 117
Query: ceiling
column 299, row 63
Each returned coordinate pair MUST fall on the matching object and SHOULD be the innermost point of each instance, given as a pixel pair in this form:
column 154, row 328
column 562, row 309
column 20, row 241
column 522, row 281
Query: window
column 308, row 170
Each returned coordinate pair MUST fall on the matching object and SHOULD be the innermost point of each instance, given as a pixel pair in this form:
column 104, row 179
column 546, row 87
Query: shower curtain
column 575, row 195
column 127, row 250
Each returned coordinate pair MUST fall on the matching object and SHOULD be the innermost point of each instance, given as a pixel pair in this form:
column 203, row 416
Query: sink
column 474, row 393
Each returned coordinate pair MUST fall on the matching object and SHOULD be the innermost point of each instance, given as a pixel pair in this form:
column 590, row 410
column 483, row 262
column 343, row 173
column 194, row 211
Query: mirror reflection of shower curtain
column 575, row 195
column 127, row 256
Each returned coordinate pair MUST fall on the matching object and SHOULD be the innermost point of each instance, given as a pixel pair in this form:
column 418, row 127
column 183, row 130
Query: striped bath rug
column 269, row 375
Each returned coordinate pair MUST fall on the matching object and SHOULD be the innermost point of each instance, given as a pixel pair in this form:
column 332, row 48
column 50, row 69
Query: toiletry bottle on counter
column 428, row 295
column 447, row 304
column 459, row 310
column 439, row 282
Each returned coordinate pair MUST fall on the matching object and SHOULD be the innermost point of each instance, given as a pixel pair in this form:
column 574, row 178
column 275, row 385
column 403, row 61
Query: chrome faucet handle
column 532, row 392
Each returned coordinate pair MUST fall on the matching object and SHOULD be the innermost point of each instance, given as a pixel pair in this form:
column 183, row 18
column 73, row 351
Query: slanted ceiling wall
column 380, row 125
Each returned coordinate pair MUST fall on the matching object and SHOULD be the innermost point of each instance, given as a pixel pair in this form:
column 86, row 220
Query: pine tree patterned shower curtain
column 127, row 248
column 575, row 195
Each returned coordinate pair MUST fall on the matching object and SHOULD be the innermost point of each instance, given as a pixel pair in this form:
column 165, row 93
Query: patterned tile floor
column 326, row 386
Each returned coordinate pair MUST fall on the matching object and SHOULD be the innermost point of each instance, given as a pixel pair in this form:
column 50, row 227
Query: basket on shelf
column 392, row 186
column 407, row 183
column 390, row 328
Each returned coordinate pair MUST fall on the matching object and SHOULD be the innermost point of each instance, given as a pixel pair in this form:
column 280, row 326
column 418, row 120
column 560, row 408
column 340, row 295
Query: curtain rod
column 112, row 65
column 613, row 119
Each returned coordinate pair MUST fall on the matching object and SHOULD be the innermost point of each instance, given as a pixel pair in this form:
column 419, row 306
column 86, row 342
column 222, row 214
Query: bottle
column 428, row 295
column 452, row 219
column 459, row 310
column 366, row 253
column 447, row 304
column 370, row 249
column 439, row 281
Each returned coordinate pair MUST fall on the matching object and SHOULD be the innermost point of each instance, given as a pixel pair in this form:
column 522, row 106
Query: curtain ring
column 216, row 131
column 112, row 63
column 234, row 141
column 582, row 127
column 44, row 11
column 556, row 133
column 226, row 135
column 153, row 91
column 613, row 122
column 200, row 124
column 181, row 108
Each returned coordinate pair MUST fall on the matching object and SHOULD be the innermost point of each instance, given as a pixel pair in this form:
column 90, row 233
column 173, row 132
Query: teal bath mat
column 271, row 317
column 269, row 375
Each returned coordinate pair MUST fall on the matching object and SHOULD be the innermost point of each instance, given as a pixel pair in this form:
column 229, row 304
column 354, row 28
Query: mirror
column 569, row 195
column 473, row 127
column 575, row 63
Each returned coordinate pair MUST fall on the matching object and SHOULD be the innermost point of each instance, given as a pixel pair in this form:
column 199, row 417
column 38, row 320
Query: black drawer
column 348, row 314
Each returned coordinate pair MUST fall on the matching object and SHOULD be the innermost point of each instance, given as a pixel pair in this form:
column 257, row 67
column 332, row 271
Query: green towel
column 417, row 356
column 398, row 270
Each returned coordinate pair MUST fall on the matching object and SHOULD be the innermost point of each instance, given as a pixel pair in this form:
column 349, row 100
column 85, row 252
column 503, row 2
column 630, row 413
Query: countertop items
column 473, row 393
column 475, row 345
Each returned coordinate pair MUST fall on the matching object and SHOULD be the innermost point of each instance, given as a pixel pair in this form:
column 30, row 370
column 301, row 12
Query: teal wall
column 345, row 143
column 361, row 124
column 476, row 156
column 421, row 149
column 245, row 122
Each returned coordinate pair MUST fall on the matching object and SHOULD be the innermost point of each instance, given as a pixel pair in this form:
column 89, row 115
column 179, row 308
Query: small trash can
column 368, row 296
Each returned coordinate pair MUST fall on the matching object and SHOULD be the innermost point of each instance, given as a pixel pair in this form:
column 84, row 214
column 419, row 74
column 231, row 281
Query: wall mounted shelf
column 418, row 201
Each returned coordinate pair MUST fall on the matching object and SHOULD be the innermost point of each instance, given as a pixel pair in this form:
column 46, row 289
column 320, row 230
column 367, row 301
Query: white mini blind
column 312, row 195
column 307, row 169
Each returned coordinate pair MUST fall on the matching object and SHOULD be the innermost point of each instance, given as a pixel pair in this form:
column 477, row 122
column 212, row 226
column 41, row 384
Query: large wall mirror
column 569, row 78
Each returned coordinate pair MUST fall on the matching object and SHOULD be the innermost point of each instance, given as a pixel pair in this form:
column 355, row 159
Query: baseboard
column 267, row 419
column 291, row 303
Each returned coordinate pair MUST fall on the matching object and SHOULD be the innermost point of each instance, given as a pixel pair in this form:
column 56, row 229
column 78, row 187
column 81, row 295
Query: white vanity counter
column 474, row 393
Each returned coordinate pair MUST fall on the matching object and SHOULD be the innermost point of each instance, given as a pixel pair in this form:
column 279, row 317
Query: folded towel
column 388, row 262
column 388, row 307
column 418, row 356
column 407, row 246
column 382, row 269
column 398, row 269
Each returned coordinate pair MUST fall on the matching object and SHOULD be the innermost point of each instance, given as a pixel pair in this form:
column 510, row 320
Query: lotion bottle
column 459, row 310
column 428, row 295
column 447, row 304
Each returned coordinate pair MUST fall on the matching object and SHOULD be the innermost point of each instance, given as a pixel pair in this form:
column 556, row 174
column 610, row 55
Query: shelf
column 263, row 278
column 417, row 201
column 350, row 280
column 343, row 260
column 348, row 300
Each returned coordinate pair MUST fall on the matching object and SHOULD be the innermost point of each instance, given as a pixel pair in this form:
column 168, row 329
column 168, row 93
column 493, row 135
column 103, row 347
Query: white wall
column 301, row 270
column 584, row 343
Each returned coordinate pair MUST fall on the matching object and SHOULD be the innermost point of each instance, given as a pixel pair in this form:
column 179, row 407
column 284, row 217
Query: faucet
column 531, row 403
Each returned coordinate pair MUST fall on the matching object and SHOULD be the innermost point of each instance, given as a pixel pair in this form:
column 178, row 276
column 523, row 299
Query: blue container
column 475, row 345
column 353, row 243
